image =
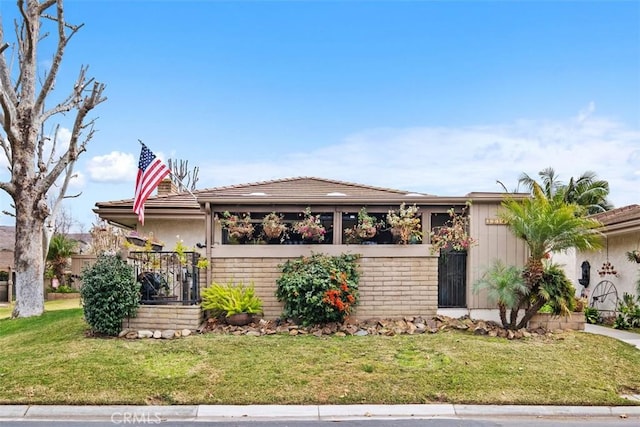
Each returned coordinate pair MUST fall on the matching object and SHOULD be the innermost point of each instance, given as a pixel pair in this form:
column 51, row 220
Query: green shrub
column 557, row 290
column 628, row 312
column 227, row 300
column 318, row 289
column 592, row 315
column 4, row 276
column 109, row 294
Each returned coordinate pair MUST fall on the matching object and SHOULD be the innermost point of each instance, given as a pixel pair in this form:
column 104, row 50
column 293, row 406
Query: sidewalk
column 155, row 414
column 628, row 337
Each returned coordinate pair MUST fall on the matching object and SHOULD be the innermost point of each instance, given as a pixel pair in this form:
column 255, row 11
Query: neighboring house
column 7, row 242
column 397, row 280
column 611, row 274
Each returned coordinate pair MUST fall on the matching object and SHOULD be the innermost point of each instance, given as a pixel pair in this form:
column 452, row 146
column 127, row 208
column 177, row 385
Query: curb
column 129, row 413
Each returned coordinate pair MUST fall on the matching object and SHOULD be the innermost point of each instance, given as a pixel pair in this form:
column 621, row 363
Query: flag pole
column 175, row 177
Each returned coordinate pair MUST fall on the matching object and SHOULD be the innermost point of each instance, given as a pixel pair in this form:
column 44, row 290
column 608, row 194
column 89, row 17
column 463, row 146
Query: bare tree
column 182, row 177
column 35, row 168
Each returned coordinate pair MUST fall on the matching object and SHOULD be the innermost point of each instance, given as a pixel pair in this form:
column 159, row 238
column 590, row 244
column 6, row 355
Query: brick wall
column 552, row 322
column 390, row 286
column 176, row 317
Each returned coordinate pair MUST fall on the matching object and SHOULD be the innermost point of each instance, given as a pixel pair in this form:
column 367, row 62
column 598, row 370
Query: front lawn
column 48, row 360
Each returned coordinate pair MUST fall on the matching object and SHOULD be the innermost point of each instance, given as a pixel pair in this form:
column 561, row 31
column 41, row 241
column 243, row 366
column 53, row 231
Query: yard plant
column 109, row 294
column 319, row 289
column 42, row 356
column 229, row 299
column 546, row 225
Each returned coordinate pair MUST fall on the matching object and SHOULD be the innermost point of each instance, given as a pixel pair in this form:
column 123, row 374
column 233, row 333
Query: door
column 452, row 279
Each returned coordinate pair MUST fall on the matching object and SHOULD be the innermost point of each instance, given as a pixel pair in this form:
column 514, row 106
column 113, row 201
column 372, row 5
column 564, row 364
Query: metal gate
column 452, row 279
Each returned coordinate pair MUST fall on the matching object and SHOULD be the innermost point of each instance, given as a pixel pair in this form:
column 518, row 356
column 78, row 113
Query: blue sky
column 436, row 97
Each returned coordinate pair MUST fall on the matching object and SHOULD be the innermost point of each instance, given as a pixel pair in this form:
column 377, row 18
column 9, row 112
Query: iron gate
column 452, row 279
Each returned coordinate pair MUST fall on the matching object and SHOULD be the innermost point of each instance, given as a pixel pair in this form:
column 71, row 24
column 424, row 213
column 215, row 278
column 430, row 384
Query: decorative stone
column 168, row 334
column 186, row 332
column 145, row 334
column 123, row 333
column 131, row 335
column 253, row 333
column 157, row 334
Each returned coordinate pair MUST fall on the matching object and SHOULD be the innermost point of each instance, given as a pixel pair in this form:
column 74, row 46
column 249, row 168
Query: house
column 608, row 273
column 7, row 242
column 396, row 280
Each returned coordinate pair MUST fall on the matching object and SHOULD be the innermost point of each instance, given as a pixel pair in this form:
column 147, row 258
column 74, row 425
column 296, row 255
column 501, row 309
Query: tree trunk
column 530, row 312
column 29, row 265
column 503, row 315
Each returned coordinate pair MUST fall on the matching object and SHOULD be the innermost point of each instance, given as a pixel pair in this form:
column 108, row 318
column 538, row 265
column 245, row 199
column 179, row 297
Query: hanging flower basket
column 273, row 227
column 366, row 228
column 310, row 228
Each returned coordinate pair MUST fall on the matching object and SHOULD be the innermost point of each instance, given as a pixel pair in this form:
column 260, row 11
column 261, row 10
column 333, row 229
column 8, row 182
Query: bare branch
column 63, row 39
column 87, row 104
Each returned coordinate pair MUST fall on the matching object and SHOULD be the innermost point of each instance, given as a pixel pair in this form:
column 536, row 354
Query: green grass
column 63, row 304
column 48, row 360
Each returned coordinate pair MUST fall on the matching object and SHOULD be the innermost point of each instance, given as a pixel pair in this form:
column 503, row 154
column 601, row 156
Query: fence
column 167, row 277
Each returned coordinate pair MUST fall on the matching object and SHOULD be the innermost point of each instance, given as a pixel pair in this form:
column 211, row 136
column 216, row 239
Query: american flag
column 150, row 172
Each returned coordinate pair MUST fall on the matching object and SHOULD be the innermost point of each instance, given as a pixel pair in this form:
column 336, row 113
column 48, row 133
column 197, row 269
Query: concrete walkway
column 155, row 414
column 628, row 337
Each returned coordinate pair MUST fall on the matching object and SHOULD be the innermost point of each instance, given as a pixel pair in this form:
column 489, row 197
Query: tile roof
column 619, row 215
column 294, row 189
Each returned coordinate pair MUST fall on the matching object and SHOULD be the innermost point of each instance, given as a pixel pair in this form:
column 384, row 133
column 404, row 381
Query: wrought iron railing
column 167, row 277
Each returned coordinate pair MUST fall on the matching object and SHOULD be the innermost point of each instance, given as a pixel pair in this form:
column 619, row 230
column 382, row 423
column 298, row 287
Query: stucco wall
column 615, row 250
column 395, row 280
column 191, row 231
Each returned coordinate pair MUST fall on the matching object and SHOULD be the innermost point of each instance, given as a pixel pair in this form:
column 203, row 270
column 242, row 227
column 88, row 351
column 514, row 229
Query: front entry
column 452, row 280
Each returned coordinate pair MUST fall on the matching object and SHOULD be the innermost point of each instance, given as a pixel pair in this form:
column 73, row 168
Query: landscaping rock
column 145, row 334
column 131, row 335
column 186, row 332
column 168, row 334
column 157, row 334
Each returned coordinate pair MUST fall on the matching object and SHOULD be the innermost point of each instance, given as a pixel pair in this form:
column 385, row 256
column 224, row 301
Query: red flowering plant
column 319, row 289
column 454, row 235
column 366, row 228
column 310, row 227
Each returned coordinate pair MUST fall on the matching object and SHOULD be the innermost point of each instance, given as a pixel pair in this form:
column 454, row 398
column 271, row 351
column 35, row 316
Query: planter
column 239, row 319
column 552, row 322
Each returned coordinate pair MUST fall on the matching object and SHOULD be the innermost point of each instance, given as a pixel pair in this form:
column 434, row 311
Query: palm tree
column 504, row 285
column 546, row 225
column 587, row 191
column 60, row 249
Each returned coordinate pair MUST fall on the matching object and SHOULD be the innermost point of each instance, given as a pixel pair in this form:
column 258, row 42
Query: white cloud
column 113, row 167
column 456, row 161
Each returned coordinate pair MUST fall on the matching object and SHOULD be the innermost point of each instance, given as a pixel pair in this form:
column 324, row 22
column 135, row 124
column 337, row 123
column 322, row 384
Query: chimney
column 167, row 187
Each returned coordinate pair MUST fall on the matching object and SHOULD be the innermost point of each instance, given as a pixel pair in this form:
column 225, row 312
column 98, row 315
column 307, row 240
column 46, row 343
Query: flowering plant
column 273, row 227
column 310, row 227
column 454, row 235
column 239, row 228
column 366, row 228
column 405, row 224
